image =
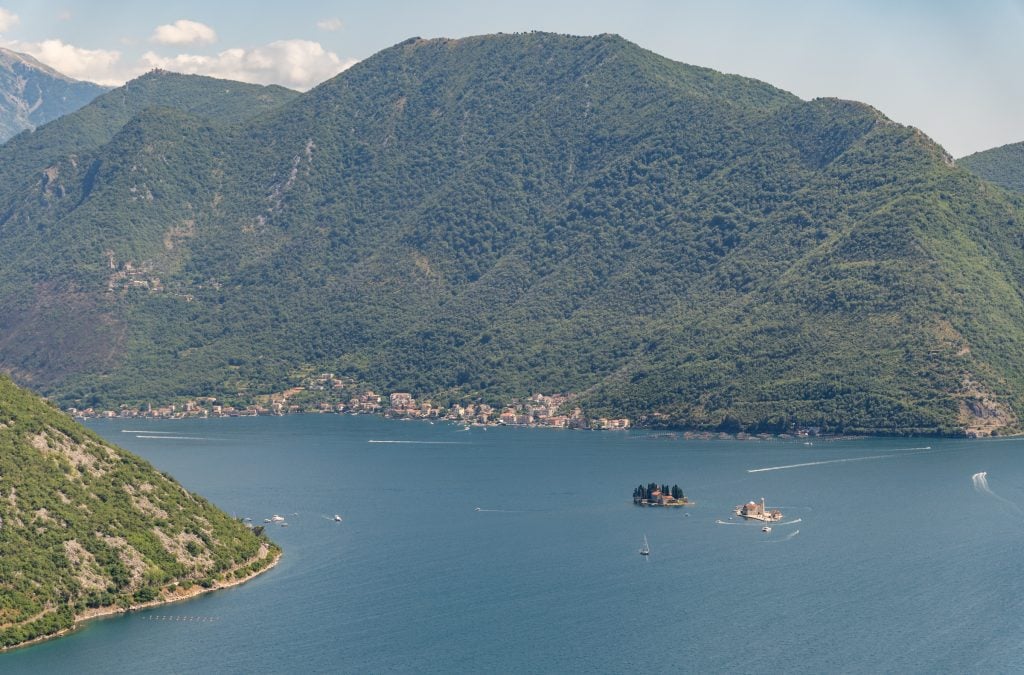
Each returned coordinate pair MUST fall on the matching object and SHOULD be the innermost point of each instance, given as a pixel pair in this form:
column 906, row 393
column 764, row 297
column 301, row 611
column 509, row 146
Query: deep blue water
column 899, row 562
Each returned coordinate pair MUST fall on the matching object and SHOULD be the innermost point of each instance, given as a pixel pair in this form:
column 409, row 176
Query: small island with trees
column 659, row 495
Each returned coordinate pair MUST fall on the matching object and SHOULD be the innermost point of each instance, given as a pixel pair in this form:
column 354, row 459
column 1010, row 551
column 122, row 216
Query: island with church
column 659, row 495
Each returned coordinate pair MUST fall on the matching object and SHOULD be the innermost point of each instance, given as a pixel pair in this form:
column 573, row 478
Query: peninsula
column 88, row 529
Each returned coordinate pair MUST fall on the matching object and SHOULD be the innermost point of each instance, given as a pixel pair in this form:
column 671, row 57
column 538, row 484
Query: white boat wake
column 722, row 522
column 980, row 482
column 144, row 431
column 912, row 451
column 792, row 522
column 176, row 438
column 779, row 541
column 422, row 442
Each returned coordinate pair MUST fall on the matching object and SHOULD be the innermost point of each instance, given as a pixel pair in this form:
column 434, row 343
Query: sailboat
column 645, row 549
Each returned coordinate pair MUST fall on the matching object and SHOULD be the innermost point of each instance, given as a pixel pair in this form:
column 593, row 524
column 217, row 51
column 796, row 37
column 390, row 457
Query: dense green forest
column 84, row 525
column 1003, row 165
column 494, row 216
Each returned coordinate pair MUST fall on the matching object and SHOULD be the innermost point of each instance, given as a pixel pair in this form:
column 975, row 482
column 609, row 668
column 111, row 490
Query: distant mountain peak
column 9, row 58
column 32, row 93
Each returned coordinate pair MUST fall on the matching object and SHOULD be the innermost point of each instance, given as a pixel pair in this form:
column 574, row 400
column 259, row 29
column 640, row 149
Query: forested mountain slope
column 85, row 525
column 499, row 215
column 1003, row 165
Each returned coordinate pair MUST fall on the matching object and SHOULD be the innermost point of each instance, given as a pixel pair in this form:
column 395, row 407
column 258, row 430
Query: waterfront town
column 325, row 393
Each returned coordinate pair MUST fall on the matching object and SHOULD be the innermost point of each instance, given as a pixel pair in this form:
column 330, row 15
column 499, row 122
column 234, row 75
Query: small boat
column 337, row 518
column 276, row 519
column 477, row 508
column 766, row 528
column 645, row 549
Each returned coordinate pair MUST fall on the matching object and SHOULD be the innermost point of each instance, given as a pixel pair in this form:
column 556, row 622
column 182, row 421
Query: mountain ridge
column 484, row 218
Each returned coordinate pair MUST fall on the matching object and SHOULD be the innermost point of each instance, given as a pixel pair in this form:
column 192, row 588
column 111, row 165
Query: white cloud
column 183, row 32
column 332, row 24
column 299, row 64
column 8, row 19
column 96, row 65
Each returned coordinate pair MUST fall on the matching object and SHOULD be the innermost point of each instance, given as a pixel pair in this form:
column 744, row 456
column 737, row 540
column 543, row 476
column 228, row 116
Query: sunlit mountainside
column 495, row 216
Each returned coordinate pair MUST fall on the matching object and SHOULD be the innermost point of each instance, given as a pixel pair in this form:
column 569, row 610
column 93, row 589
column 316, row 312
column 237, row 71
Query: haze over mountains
column 32, row 94
column 494, row 216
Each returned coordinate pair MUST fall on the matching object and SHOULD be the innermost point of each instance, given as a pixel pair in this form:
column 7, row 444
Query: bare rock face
column 32, row 94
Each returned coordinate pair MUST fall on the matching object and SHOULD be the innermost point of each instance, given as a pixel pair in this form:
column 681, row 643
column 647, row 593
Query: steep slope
column 61, row 168
column 1003, row 165
column 86, row 526
column 494, row 216
column 32, row 94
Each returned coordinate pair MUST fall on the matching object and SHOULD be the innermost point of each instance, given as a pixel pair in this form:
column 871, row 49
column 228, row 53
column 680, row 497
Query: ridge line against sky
column 949, row 68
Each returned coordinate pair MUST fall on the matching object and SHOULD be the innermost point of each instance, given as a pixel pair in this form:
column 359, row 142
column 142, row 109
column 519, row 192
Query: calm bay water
column 898, row 561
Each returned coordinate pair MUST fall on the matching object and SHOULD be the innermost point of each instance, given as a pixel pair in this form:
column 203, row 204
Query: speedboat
column 766, row 528
column 337, row 518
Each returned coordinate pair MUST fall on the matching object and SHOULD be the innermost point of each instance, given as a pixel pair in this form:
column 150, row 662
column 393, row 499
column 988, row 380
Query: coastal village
column 326, row 393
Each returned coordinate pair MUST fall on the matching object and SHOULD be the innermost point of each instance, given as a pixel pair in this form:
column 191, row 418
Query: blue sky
column 949, row 68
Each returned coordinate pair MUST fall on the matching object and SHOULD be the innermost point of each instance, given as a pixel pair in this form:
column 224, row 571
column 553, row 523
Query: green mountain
column 32, row 94
column 1003, row 165
column 86, row 526
column 490, row 217
column 219, row 102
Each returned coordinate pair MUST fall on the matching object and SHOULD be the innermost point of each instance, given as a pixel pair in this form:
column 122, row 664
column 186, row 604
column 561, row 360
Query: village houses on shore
column 323, row 394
